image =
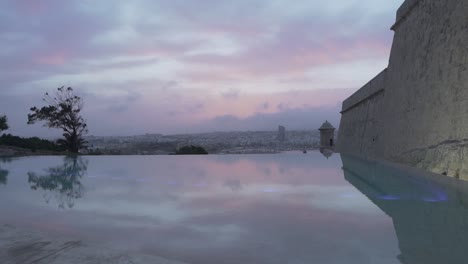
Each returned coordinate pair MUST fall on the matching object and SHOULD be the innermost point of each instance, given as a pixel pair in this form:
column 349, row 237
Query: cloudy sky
column 178, row 66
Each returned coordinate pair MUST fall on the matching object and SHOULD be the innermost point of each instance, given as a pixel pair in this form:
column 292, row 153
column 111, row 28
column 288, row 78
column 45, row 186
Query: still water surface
column 260, row 209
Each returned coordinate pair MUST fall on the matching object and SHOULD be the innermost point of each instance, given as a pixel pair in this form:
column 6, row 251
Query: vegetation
column 3, row 123
column 63, row 112
column 148, row 147
column 191, row 150
column 33, row 143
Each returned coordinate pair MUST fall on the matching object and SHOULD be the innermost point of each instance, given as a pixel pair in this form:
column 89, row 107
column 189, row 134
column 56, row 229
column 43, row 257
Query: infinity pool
column 262, row 209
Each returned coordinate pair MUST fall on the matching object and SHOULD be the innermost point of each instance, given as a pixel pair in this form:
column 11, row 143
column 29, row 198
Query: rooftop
column 326, row 126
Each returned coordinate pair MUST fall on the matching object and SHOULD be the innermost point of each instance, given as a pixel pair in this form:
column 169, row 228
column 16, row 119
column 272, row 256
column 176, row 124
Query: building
column 281, row 134
column 327, row 136
column 415, row 111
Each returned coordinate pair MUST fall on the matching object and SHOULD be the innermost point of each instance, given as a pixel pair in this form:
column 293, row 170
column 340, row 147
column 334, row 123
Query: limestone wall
column 404, row 11
column 327, row 137
column 359, row 131
column 416, row 111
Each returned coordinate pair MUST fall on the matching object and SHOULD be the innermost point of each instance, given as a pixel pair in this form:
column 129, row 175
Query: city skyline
column 176, row 67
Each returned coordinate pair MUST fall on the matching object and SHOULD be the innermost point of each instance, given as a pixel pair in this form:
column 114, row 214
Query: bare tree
column 63, row 112
column 3, row 123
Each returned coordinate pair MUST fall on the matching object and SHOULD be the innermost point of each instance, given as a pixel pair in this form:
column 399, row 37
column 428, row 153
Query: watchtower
column 327, row 135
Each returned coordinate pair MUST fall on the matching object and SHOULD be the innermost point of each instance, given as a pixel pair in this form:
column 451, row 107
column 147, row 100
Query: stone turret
column 327, row 136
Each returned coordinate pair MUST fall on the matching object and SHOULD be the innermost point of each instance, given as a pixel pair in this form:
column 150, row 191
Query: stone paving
column 24, row 247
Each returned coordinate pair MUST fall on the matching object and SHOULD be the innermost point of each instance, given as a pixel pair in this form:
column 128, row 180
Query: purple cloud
column 186, row 62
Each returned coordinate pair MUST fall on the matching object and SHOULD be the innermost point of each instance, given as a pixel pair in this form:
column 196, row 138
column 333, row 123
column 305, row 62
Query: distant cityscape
column 244, row 142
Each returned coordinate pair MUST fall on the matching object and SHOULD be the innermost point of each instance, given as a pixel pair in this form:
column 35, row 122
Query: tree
column 63, row 112
column 191, row 150
column 3, row 123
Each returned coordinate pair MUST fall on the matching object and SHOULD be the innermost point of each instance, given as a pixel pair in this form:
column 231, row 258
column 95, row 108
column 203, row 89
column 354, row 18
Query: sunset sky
column 183, row 66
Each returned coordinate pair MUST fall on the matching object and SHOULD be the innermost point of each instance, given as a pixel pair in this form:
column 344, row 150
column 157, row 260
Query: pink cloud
column 56, row 58
column 267, row 48
column 31, row 7
column 282, row 59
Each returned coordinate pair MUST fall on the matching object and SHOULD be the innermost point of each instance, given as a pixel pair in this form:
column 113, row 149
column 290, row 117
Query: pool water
column 282, row 208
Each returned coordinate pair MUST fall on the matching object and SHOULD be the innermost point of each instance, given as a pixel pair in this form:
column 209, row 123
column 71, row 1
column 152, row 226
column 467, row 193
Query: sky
column 188, row 66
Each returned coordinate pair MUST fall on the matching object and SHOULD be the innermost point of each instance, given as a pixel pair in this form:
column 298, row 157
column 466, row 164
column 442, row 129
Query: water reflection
column 430, row 213
column 63, row 182
column 234, row 185
column 327, row 153
column 262, row 209
column 3, row 176
column 3, row 172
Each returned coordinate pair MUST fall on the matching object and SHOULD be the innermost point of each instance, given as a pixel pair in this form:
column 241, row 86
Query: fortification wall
column 420, row 114
column 360, row 129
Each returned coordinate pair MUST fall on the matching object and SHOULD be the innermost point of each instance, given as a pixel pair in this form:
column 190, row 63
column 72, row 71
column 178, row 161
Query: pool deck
column 25, row 247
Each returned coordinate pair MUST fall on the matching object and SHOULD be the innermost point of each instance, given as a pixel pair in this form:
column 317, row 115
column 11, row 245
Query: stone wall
column 416, row 111
column 359, row 127
column 326, row 137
